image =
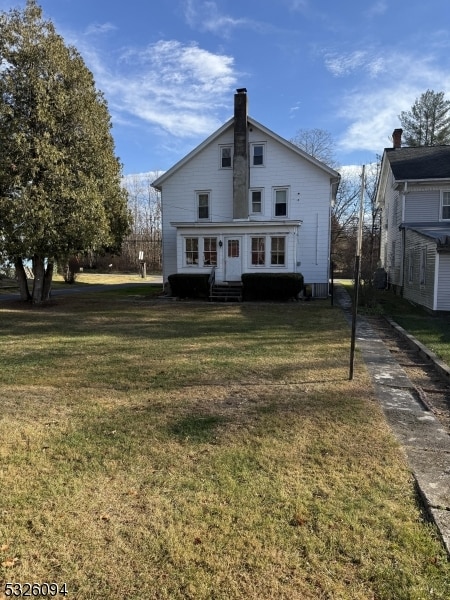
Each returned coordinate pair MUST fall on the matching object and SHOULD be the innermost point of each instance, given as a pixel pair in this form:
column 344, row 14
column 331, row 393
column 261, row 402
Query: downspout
column 405, row 191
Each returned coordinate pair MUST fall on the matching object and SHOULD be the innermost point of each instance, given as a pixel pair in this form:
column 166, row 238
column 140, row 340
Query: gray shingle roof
column 439, row 232
column 430, row 162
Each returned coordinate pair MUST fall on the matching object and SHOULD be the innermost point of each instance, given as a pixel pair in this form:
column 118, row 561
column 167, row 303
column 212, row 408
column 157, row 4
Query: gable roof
column 252, row 123
column 416, row 163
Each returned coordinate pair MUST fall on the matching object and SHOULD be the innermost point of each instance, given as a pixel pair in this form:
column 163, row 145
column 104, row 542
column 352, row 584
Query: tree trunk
column 48, row 278
column 42, row 279
column 22, row 280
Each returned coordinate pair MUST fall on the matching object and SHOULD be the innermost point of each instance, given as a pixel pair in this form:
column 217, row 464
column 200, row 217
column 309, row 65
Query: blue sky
column 169, row 68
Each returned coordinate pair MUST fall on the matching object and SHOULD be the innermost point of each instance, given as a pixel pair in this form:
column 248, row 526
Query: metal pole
column 357, row 274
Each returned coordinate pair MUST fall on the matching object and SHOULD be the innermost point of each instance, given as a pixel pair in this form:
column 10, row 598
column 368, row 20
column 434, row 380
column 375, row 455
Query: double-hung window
column 258, row 251
column 256, row 202
column 203, row 206
column 278, row 251
column 210, row 251
column 225, row 157
column 257, row 155
column 445, row 211
column 191, row 251
column 280, row 202
column 200, row 252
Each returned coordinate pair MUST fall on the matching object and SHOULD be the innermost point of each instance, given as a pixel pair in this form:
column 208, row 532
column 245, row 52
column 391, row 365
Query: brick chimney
column 240, row 157
column 397, row 138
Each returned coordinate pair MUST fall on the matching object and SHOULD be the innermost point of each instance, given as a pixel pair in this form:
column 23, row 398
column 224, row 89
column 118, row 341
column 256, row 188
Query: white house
column 414, row 195
column 248, row 201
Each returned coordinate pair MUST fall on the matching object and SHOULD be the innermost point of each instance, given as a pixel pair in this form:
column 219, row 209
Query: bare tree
column 318, row 143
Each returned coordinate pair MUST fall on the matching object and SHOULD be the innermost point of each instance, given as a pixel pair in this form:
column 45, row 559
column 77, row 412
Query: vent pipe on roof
column 240, row 156
column 397, row 138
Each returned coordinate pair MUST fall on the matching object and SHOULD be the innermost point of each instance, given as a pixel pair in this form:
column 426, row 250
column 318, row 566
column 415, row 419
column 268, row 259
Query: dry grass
column 171, row 450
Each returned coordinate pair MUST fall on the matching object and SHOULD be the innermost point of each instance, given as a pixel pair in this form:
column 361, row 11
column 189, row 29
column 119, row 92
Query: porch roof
column 228, row 226
column 438, row 232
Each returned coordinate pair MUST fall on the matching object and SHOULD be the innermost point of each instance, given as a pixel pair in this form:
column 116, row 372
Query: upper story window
column 445, row 204
column 225, row 157
column 257, row 155
column 256, row 202
column 280, row 202
column 203, row 206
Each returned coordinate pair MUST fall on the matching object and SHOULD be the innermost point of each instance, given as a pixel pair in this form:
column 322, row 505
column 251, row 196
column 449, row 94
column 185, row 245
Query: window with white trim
column 191, row 252
column 445, row 205
column 256, row 202
column 225, row 157
column 200, row 252
column 277, row 251
column 210, row 251
column 257, row 155
column 280, row 202
column 423, row 266
column 410, row 266
column 258, row 251
column 203, row 206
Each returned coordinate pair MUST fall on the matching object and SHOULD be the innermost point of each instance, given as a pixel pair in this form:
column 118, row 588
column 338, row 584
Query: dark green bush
column 194, row 285
column 271, row 286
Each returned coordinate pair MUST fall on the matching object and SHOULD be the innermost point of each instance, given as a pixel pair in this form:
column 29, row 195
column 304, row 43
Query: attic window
column 225, row 157
column 258, row 155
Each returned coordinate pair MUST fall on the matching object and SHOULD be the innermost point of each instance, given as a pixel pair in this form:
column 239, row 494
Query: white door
column 233, row 259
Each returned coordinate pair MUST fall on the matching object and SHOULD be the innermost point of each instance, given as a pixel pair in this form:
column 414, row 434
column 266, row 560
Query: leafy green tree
column 428, row 121
column 60, row 181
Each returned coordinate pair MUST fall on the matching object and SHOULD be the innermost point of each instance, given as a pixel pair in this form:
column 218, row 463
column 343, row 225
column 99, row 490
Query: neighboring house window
column 225, row 157
column 445, row 213
column 257, row 155
column 277, row 251
column 210, row 252
column 203, row 205
column 423, row 265
column 192, row 251
column 256, row 201
column 258, row 251
column 410, row 266
column 281, row 197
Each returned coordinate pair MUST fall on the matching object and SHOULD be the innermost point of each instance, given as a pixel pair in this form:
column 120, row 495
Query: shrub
column 271, row 286
column 189, row 285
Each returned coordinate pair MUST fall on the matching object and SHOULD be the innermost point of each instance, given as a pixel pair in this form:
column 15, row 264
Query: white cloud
column 178, row 88
column 205, row 15
column 371, row 108
column 377, row 9
column 344, row 64
column 96, row 29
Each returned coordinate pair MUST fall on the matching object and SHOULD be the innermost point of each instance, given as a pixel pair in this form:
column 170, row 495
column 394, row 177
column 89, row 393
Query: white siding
column 422, row 206
column 443, row 292
column 415, row 290
column 309, row 201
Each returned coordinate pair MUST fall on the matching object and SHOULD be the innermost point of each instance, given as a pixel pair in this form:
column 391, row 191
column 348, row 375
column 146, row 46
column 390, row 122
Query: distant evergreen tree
column 428, row 121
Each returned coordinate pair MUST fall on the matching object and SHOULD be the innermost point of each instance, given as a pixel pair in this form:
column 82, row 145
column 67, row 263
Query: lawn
column 432, row 329
column 182, row 450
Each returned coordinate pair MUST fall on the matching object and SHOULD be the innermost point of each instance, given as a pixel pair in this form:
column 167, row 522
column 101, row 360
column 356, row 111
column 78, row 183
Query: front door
column 233, row 260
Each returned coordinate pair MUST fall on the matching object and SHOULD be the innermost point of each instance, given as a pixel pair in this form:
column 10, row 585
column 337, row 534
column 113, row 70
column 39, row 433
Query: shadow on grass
column 197, row 428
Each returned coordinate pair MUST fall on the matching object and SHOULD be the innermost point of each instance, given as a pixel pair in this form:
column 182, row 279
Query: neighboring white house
column 248, row 201
column 414, row 195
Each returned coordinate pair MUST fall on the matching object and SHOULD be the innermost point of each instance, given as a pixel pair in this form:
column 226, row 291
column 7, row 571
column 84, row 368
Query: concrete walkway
column 424, row 440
